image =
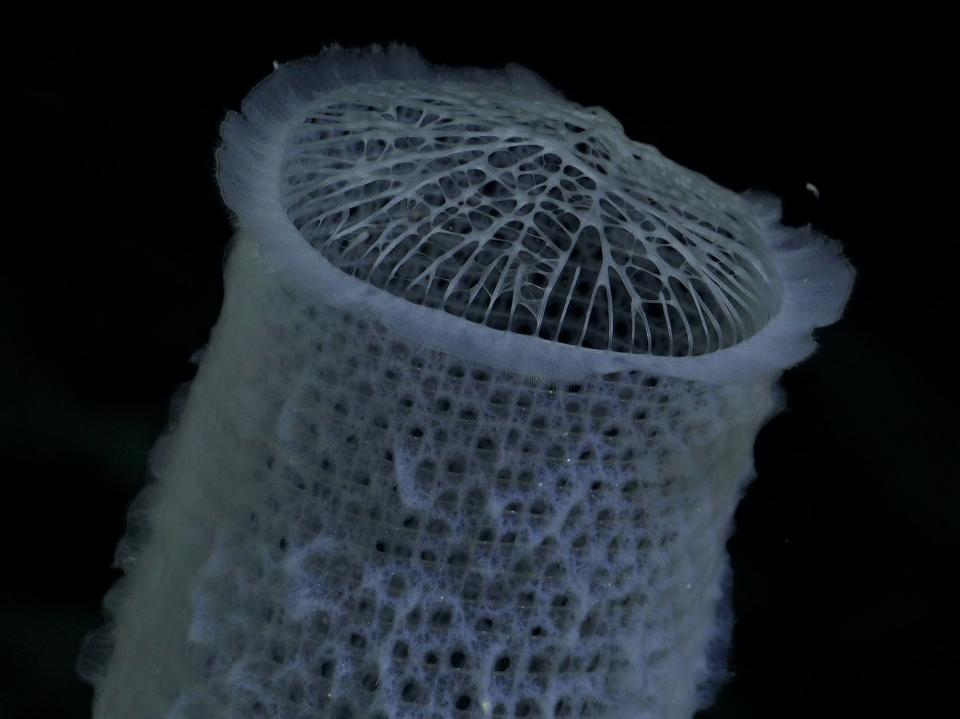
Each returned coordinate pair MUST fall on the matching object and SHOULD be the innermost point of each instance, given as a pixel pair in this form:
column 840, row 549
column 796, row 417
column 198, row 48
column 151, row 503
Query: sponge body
column 387, row 499
column 350, row 522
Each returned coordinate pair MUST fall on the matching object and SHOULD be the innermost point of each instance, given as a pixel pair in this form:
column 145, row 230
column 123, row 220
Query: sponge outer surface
column 346, row 524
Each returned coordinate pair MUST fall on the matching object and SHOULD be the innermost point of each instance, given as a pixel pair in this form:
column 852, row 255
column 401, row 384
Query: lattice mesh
column 429, row 538
column 538, row 218
column 371, row 510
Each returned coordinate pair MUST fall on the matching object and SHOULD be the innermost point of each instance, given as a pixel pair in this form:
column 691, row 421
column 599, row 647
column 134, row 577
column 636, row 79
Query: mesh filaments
column 429, row 538
column 372, row 510
column 538, row 218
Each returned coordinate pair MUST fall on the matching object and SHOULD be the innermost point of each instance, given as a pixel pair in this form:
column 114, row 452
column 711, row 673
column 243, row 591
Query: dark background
column 110, row 278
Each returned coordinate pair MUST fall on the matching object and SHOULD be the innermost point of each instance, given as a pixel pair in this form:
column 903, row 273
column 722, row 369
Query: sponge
column 472, row 425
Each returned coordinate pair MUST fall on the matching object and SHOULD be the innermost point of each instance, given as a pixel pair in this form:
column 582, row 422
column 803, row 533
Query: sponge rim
column 816, row 279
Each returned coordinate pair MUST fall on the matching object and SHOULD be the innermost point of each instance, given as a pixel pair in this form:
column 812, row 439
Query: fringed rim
column 816, row 278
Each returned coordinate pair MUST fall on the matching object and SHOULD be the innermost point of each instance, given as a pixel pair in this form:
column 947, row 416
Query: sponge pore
column 532, row 217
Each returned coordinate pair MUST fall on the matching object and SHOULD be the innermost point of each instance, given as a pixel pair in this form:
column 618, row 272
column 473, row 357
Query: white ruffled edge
column 816, row 278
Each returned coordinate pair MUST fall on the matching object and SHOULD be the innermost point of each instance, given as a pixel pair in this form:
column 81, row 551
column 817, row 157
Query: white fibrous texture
column 528, row 218
column 400, row 533
column 471, row 428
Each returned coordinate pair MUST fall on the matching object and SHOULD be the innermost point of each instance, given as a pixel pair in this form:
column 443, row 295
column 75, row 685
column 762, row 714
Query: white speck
column 813, row 189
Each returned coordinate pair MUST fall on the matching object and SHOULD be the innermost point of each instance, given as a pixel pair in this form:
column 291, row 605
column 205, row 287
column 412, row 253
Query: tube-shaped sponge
column 472, row 425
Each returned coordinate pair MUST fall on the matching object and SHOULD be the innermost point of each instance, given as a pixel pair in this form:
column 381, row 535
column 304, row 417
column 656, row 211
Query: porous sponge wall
column 349, row 525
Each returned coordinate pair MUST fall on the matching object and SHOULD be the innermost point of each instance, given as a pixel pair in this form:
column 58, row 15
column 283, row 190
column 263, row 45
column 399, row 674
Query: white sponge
column 472, row 426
